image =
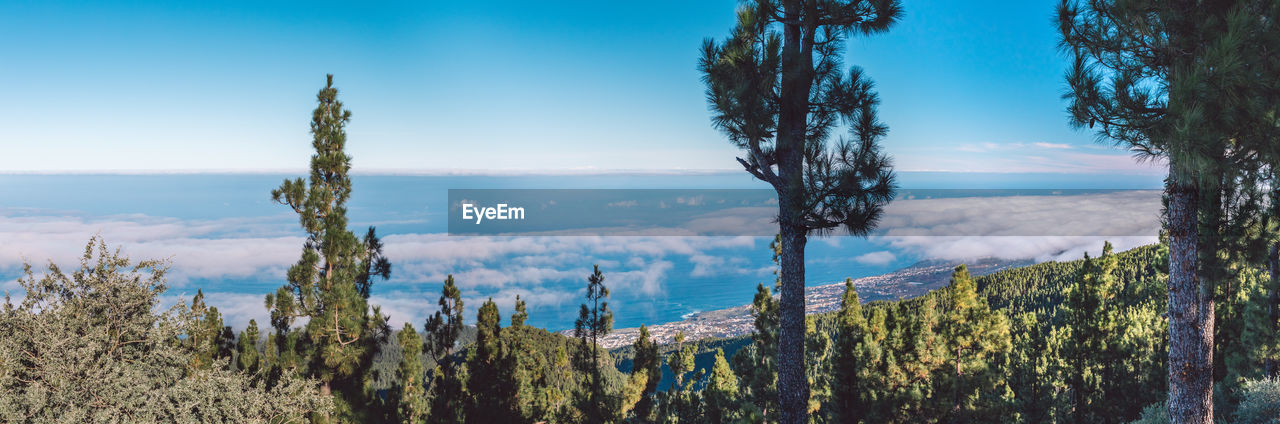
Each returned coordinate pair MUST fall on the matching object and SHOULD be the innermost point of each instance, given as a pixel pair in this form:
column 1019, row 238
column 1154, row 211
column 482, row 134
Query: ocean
column 222, row 234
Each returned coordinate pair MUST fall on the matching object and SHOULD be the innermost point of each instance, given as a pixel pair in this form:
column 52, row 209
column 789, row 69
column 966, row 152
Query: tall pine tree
column 973, row 335
column 646, row 366
column 329, row 285
column 492, row 379
column 411, row 407
column 594, row 321
column 777, row 90
column 1179, row 81
column 448, row 381
column 847, row 389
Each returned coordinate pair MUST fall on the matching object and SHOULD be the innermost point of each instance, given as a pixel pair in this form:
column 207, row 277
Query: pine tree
column 924, row 393
column 1178, row 80
column 756, row 364
column 330, row 283
column 449, row 379
column 847, row 388
column 1090, row 323
column 721, row 391
column 646, row 367
column 518, row 318
column 680, row 403
column 248, row 358
column 206, row 340
column 973, row 334
column 817, row 350
column 445, row 326
column 594, row 321
column 1032, row 369
column 777, row 91
column 492, row 380
column 411, row 407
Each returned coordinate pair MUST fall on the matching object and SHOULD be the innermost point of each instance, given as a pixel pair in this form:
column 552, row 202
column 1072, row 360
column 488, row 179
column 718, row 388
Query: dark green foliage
column 854, row 346
column 520, row 315
column 492, row 380
column 681, row 403
column 721, row 392
column 448, row 380
column 647, row 371
column 594, row 321
column 411, row 406
column 1032, row 370
column 248, row 357
column 211, row 341
column 1188, row 82
column 777, row 89
column 330, row 283
column 1106, row 346
column 758, row 384
column 445, row 326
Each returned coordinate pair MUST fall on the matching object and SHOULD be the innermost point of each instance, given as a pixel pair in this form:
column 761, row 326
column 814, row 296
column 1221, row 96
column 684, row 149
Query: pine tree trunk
column 793, row 109
column 326, row 391
column 793, row 387
column 1273, row 307
column 955, row 390
column 1190, row 314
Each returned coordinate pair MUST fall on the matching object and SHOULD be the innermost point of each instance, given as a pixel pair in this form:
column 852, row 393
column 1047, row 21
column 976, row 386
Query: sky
column 496, row 86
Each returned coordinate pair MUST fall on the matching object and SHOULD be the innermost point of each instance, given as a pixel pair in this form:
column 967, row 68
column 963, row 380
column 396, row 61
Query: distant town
column 905, row 283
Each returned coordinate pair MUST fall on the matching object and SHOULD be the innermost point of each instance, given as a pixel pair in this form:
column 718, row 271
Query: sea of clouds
column 258, row 251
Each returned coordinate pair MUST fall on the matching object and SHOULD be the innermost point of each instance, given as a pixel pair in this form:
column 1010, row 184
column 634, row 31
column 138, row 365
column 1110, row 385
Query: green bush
column 1259, row 401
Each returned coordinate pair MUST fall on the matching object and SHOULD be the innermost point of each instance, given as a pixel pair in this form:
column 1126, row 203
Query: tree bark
column 1273, row 307
column 327, row 391
column 1190, row 313
column 793, row 109
column 793, row 387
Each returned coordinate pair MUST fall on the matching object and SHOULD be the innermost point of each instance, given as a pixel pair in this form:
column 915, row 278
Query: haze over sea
column 223, row 234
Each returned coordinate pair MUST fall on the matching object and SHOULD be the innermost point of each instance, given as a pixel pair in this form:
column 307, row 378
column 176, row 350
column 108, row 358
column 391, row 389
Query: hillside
column 905, row 283
column 1008, row 288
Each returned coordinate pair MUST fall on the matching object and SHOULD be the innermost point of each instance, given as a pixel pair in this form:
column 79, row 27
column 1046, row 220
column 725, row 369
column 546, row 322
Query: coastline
column 904, row 283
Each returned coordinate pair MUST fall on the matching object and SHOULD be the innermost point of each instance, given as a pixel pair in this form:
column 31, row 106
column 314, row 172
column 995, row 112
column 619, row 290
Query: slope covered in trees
column 1076, row 341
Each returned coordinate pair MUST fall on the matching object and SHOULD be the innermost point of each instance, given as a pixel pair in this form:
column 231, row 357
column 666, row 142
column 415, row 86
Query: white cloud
column 1038, row 248
column 546, row 270
column 1044, row 145
column 876, row 258
column 648, row 280
column 1123, row 213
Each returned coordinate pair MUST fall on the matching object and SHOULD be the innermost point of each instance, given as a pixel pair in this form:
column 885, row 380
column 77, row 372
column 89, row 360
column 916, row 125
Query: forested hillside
column 1055, row 341
column 1058, row 341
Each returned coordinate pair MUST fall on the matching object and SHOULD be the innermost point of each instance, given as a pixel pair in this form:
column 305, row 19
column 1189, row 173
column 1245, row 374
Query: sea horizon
column 224, row 236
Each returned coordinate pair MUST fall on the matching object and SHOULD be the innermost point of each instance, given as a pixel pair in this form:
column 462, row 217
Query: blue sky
column 495, row 86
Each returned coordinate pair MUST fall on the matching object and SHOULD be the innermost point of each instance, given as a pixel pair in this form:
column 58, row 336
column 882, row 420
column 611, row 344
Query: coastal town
column 905, row 283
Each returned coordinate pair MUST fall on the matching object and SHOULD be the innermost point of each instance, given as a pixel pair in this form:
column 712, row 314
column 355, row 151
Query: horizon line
column 501, row 172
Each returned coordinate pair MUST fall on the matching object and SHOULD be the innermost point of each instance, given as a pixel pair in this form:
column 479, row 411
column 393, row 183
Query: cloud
column 1122, row 213
column 1004, row 159
column 1038, row 248
column 880, row 258
column 1055, row 227
column 1044, row 145
column 548, row 271
column 648, row 280
column 705, row 265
